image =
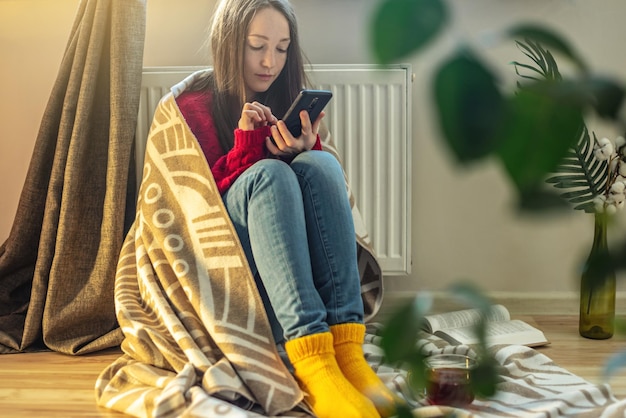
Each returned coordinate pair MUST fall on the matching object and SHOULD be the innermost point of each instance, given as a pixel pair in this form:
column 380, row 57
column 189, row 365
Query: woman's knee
column 273, row 172
column 317, row 163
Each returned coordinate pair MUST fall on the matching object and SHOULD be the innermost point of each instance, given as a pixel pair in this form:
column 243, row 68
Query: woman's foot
column 348, row 344
column 330, row 394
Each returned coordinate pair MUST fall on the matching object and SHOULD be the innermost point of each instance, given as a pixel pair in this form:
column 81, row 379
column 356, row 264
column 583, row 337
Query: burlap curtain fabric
column 57, row 268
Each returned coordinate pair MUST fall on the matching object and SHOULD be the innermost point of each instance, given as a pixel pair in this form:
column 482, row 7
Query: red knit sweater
column 249, row 146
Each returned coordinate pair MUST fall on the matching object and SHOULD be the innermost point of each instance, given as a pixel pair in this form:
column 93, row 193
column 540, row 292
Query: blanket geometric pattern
column 195, row 330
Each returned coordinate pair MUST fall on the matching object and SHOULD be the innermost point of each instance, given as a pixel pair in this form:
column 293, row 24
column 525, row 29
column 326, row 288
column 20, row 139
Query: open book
column 458, row 328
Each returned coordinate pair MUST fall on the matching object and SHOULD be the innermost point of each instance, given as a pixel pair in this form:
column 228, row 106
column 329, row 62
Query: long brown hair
column 228, row 38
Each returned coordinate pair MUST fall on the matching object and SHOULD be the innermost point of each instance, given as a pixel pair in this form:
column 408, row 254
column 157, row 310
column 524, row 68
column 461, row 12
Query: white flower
column 616, row 199
column 619, row 142
column 622, row 169
column 603, row 149
column 611, row 209
column 617, row 188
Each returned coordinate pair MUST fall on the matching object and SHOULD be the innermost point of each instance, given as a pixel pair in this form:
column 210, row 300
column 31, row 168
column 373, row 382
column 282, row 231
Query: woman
column 288, row 202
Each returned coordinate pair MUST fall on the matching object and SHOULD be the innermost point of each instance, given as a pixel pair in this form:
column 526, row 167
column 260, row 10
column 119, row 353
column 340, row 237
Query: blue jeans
column 295, row 224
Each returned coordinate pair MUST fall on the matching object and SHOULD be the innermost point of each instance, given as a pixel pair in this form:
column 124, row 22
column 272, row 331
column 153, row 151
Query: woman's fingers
column 254, row 115
column 283, row 139
column 316, row 124
column 287, row 143
column 282, row 142
column 309, row 130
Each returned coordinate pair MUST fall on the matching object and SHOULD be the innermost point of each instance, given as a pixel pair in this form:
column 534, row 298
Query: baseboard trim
column 518, row 303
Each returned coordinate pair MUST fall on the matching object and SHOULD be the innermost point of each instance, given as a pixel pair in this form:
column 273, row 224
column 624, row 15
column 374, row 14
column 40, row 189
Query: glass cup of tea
column 448, row 379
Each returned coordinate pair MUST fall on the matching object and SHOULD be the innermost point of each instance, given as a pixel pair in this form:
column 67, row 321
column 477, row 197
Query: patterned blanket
column 197, row 340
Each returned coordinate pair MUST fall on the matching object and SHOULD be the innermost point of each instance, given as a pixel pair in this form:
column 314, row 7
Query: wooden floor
column 50, row 385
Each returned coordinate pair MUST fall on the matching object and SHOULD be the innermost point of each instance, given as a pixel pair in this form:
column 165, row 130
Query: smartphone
column 313, row 101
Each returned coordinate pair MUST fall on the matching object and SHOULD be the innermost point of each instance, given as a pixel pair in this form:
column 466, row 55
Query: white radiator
column 368, row 118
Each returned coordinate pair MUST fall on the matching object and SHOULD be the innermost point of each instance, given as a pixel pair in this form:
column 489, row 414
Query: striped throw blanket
column 530, row 385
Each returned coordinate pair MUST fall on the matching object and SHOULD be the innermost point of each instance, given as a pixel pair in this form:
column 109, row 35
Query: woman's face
column 265, row 52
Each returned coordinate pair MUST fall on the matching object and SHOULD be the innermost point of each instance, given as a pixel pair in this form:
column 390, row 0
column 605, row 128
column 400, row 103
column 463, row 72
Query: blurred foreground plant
column 530, row 131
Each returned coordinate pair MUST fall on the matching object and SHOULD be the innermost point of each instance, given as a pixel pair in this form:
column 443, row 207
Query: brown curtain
column 57, row 267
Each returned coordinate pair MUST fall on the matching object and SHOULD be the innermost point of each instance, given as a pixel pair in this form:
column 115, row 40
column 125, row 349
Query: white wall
column 33, row 34
column 464, row 226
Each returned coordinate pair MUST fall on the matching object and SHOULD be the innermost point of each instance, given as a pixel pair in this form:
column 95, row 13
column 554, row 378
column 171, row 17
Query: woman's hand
column 285, row 144
column 254, row 115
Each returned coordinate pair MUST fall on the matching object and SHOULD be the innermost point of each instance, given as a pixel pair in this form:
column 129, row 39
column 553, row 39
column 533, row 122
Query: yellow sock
column 348, row 344
column 329, row 393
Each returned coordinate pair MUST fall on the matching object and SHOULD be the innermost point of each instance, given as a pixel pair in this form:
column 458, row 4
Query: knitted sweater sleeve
column 249, row 147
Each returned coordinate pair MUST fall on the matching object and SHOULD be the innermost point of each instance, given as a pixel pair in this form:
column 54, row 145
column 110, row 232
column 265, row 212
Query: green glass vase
column 597, row 287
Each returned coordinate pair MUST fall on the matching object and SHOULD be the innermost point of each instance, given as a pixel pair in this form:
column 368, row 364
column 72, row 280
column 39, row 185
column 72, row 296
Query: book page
column 500, row 332
column 463, row 318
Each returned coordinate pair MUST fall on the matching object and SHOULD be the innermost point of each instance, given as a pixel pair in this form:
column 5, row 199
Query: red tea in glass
column 448, row 380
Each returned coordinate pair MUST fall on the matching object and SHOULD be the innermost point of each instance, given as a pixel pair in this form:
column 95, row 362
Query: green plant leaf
column 400, row 333
column 471, row 295
column 607, row 96
column 401, row 27
column 581, row 196
column 541, row 129
column 544, row 36
column 403, row 411
column 590, row 179
column 484, row 378
column 545, row 65
column 417, row 372
column 470, row 107
column 537, row 199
